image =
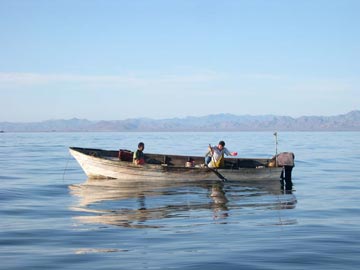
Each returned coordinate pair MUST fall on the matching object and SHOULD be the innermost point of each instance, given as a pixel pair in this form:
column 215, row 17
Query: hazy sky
column 118, row 59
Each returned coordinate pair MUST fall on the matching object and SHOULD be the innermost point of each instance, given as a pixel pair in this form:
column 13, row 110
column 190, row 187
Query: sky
column 117, row 59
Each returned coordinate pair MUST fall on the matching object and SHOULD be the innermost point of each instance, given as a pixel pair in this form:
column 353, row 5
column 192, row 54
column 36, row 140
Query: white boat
column 117, row 164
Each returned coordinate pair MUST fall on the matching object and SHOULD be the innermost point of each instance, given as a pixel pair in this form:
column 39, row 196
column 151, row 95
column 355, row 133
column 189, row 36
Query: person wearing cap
column 214, row 158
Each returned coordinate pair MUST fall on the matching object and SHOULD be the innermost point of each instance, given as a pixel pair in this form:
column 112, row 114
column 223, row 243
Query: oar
column 222, row 178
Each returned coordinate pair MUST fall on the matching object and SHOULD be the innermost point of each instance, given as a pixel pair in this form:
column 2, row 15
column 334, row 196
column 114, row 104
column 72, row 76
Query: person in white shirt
column 214, row 158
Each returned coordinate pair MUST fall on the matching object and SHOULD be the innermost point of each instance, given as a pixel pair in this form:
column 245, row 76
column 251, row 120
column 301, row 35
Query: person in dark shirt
column 138, row 157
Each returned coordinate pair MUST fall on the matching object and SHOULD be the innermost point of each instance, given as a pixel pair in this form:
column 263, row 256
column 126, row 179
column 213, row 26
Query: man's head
column 221, row 145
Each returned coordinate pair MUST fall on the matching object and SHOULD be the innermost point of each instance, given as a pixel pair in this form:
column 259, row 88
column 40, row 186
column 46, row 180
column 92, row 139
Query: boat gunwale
column 184, row 157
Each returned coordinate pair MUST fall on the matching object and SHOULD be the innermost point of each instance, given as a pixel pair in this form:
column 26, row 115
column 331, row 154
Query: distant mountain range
column 217, row 122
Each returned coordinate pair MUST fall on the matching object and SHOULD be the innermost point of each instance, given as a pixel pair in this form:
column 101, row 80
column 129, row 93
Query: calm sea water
column 52, row 217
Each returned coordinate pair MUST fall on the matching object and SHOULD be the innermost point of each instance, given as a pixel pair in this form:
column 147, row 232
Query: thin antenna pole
column 276, row 148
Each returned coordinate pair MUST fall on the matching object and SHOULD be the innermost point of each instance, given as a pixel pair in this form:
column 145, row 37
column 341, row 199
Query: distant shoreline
column 211, row 123
column 74, row 132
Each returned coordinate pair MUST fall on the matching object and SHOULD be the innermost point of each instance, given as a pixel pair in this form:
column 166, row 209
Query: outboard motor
column 287, row 161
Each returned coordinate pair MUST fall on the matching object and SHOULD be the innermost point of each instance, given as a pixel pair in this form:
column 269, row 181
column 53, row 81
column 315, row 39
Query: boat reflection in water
column 151, row 204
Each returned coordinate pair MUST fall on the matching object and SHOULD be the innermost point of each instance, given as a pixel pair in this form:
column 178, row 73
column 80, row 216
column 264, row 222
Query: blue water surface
column 53, row 217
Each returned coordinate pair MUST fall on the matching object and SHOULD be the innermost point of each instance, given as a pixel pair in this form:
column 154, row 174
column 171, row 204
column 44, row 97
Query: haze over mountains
column 218, row 122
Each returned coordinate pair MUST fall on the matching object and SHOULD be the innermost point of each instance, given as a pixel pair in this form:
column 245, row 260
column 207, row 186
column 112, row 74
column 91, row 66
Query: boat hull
column 98, row 167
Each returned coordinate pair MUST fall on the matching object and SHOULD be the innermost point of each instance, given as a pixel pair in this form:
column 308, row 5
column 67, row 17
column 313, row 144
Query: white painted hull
column 112, row 167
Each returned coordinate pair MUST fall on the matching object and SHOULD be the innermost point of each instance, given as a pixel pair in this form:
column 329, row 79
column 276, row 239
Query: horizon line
column 175, row 117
